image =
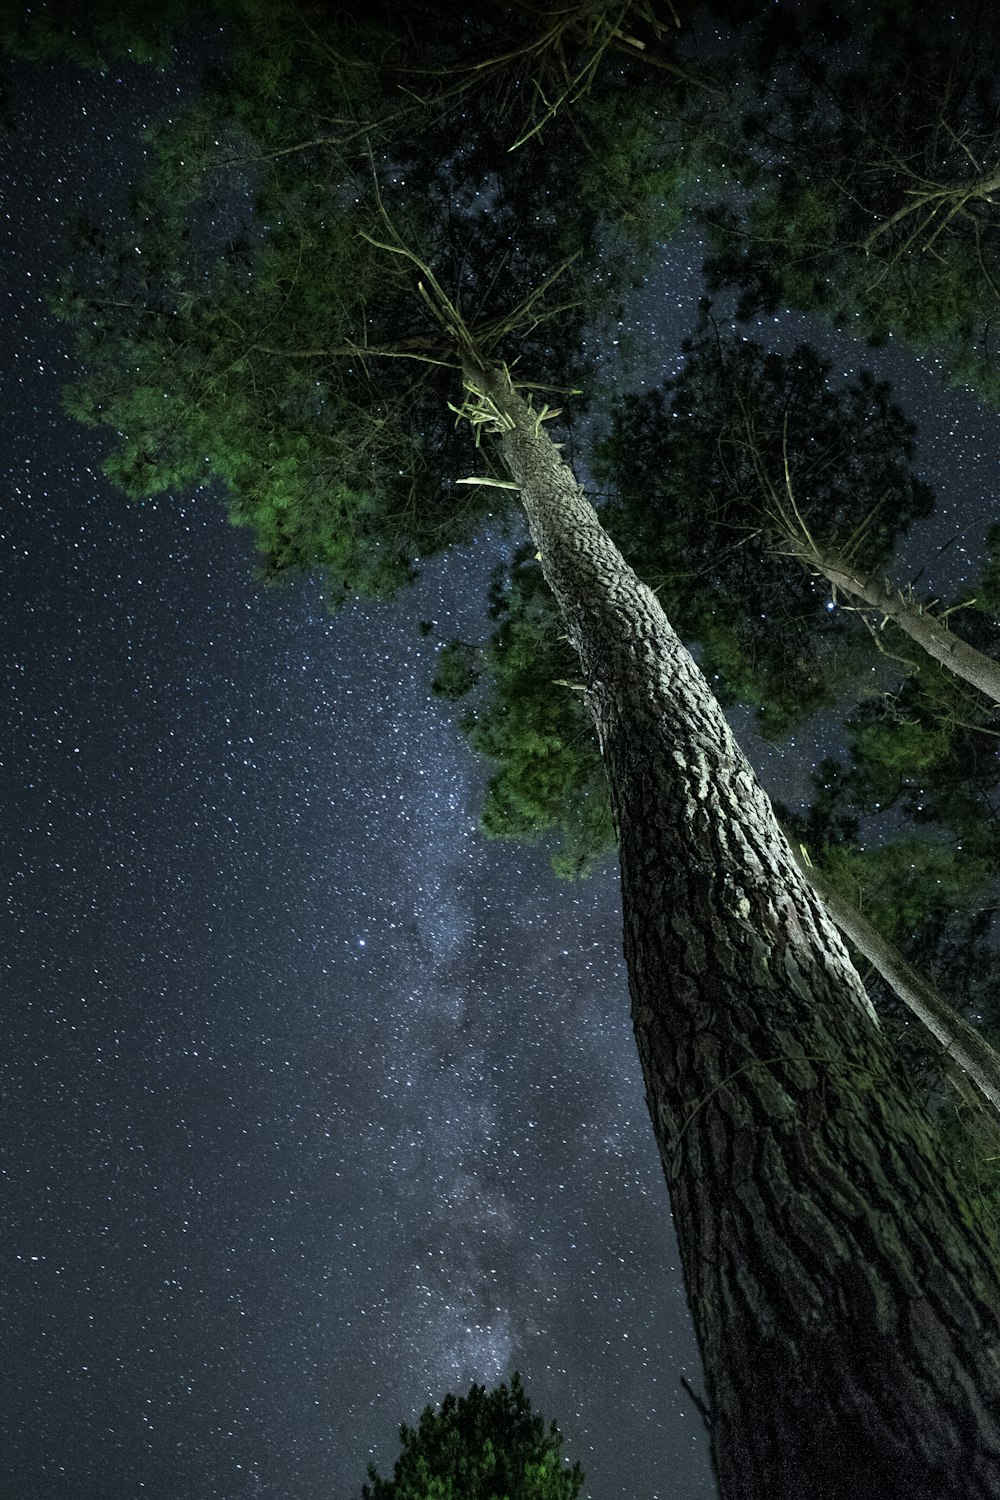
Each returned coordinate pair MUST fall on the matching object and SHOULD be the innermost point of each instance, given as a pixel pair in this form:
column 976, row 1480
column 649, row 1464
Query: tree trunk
column 844, row 1294
column 919, row 624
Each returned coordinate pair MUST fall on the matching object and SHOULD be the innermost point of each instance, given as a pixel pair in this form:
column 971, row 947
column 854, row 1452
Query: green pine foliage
column 530, row 722
column 909, row 829
column 258, row 323
column 251, row 329
column 224, row 341
column 100, row 33
column 649, row 168
column 908, row 887
column 458, row 670
column 969, row 1132
column 929, row 750
column 897, row 753
column 692, row 469
column 298, row 458
column 986, row 597
column 924, row 765
column 488, row 1445
column 695, row 470
column 884, row 213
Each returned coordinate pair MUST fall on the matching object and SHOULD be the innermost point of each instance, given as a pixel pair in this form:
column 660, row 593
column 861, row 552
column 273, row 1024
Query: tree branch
column 960, row 1040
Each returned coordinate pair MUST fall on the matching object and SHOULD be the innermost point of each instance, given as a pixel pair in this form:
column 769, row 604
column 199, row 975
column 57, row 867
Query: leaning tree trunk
column 959, row 1039
column 974, row 667
column 844, row 1293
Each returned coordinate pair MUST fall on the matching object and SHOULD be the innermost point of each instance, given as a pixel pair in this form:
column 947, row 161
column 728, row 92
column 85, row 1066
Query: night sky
column 315, row 1104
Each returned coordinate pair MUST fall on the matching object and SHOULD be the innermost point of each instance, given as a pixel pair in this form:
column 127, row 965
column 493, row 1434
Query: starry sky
column 314, row 1105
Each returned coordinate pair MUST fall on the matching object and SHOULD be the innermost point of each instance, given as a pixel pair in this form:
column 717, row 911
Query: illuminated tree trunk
column 845, row 1296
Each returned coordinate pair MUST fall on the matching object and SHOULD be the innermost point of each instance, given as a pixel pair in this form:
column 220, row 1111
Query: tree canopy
column 258, row 321
column 692, row 471
column 270, row 318
column 488, row 1445
column 864, row 139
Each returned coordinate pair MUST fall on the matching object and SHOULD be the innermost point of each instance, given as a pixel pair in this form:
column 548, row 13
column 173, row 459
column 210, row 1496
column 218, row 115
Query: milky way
column 316, row 1104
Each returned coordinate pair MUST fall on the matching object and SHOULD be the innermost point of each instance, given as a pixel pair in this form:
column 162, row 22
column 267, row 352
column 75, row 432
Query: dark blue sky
column 315, row 1105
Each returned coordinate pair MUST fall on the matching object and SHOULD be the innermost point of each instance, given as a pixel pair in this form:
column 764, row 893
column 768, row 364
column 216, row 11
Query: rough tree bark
column 845, row 1295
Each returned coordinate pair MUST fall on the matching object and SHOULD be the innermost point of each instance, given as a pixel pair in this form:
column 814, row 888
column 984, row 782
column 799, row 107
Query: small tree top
column 483, row 1446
